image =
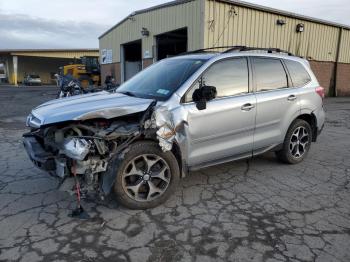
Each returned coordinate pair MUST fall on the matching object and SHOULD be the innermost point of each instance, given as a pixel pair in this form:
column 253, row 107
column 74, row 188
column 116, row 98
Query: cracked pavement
column 251, row 210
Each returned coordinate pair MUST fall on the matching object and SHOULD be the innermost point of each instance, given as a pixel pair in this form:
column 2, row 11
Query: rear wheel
column 146, row 177
column 297, row 142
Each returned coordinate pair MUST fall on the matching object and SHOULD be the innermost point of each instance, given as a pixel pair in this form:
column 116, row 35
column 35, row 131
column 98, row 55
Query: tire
column 134, row 187
column 85, row 79
column 296, row 144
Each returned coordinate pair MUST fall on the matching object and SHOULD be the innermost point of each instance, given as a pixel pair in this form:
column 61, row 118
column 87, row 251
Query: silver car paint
column 274, row 114
column 84, row 107
column 209, row 137
column 222, row 130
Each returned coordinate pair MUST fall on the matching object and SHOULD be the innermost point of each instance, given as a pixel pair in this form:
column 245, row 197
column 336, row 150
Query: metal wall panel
column 229, row 24
column 188, row 14
column 344, row 55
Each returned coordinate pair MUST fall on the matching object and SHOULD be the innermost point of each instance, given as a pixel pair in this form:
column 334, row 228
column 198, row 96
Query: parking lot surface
column 252, row 210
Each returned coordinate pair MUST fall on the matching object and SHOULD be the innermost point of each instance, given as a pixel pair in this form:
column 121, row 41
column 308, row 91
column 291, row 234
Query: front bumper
column 42, row 159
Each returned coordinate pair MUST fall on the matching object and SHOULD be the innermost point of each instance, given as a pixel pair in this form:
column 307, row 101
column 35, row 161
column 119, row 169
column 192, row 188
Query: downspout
column 337, row 57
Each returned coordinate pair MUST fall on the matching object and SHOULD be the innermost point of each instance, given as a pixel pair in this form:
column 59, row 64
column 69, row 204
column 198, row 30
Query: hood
column 96, row 105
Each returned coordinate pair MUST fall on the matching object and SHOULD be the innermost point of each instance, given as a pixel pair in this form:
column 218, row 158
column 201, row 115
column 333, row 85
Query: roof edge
column 141, row 11
column 284, row 13
column 49, row 50
column 238, row 3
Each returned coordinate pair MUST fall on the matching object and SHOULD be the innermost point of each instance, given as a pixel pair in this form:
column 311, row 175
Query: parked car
column 180, row 114
column 32, row 80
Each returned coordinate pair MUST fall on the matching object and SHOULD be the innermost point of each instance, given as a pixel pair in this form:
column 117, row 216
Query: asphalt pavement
column 251, row 210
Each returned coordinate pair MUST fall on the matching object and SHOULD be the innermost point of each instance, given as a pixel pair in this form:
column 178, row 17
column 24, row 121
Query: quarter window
column 299, row 75
column 230, row 77
column 269, row 74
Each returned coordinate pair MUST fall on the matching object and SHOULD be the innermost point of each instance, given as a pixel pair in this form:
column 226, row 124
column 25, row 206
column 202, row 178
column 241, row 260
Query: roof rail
column 269, row 50
column 209, row 48
column 238, row 48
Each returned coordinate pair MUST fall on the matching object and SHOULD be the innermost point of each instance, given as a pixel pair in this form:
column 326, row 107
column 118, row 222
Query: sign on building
column 106, row 56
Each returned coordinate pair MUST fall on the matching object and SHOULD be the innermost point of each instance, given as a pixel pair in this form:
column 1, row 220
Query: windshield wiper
column 128, row 93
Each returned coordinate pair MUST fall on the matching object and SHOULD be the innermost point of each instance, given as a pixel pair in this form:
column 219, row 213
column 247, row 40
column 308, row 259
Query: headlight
column 29, row 117
column 33, row 121
column 76, row 148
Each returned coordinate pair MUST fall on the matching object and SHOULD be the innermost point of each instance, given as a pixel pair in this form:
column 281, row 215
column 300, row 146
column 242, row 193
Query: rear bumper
column 320, row 120
column 37, row 154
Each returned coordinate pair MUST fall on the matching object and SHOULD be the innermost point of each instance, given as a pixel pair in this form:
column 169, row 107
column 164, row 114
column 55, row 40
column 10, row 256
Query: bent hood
column 96, row 105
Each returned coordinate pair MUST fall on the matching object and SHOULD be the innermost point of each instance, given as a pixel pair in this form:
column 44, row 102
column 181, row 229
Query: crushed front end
column 83, row 148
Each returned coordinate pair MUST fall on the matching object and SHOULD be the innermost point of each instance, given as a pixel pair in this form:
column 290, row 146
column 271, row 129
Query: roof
column 49, row 50
column 52, row 53
column 284, row 13
column 168, row 4
column 237, row 3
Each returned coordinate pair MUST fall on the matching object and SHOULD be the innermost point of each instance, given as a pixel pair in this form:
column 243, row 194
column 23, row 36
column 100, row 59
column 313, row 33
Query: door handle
column 291, row 98
column 247, row 107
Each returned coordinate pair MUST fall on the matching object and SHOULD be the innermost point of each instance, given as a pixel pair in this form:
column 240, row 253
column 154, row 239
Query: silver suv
column 180, row 114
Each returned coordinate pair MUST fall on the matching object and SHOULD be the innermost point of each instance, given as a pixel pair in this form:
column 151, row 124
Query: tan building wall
column 344, row 56
column 228, row 23
column 157, row 21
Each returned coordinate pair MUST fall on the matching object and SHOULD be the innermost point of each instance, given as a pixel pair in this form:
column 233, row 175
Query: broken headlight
column 76, row 148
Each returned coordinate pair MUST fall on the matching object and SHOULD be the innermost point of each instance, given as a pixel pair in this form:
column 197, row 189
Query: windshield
column 162, row 79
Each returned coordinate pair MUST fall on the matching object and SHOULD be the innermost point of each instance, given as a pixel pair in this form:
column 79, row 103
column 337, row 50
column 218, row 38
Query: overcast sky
column 78, row 23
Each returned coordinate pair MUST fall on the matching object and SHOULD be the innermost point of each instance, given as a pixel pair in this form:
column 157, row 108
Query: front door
column 225, row 128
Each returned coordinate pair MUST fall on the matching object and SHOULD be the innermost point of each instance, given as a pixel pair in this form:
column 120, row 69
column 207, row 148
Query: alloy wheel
column 146, row 177
column 299, row 142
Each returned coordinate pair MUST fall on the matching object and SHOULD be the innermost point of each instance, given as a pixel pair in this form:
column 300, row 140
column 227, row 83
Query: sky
column 79, row 23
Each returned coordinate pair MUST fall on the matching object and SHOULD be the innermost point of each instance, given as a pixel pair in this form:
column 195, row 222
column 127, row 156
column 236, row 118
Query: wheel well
column 311, row 119
column 177, row 153
column 175, row 150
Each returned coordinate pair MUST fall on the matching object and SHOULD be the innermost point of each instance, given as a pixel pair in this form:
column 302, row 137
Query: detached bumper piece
column 38, row 155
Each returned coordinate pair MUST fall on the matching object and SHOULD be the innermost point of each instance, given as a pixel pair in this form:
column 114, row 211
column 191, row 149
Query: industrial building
column 149, row 35
column 15, row 64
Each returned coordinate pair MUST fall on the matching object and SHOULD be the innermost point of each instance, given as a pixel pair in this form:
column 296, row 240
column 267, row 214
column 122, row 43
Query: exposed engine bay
column 86, row 149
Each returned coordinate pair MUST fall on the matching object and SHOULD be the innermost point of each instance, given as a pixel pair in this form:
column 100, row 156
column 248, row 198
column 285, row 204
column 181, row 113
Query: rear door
column 226, row 127
column 277, row 102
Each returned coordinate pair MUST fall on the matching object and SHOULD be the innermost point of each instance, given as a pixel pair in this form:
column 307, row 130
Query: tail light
column 320, row 91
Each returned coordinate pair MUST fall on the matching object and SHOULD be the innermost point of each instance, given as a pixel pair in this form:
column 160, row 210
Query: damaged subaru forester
column 180, row 114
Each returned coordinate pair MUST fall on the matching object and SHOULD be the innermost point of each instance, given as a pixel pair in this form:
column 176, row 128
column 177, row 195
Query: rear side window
column 298, row 73
column 269, row 74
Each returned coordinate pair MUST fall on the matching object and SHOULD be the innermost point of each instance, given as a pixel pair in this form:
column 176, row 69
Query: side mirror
column 202, row 95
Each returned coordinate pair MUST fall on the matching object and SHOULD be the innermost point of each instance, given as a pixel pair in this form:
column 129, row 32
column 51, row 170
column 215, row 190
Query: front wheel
column 297, row 142
column 146, row 177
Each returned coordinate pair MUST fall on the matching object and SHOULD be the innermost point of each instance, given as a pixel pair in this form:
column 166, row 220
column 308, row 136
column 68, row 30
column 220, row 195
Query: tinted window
column 299, row 75
column 269, row 74
column 162, row 79
column 230, row 77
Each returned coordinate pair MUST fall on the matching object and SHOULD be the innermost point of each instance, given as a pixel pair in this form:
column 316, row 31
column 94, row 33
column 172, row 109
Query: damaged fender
column 168, row 129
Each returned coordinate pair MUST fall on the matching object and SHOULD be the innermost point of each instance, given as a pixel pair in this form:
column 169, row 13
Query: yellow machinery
column 87, row 72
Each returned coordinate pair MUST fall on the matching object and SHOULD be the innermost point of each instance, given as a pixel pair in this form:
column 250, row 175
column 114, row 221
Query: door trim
column 221, row 161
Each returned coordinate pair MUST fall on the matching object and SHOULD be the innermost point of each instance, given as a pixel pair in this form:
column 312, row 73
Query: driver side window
column 230, row 77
